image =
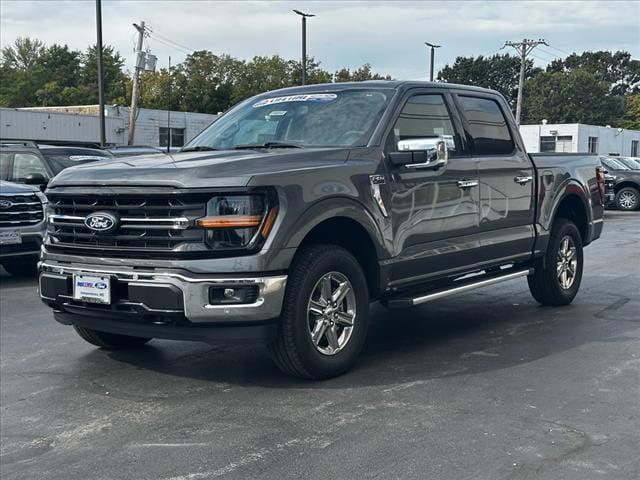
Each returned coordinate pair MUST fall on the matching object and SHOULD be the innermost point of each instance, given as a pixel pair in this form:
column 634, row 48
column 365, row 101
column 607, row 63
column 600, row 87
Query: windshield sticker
column 311, row 97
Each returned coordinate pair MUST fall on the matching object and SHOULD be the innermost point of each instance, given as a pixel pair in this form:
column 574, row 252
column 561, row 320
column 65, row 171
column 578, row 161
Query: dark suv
column 29, row 163
column 626, row 183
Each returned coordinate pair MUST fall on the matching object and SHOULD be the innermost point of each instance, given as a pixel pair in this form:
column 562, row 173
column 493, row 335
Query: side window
column 487, row 126
column 423, row 116
column 25, row 164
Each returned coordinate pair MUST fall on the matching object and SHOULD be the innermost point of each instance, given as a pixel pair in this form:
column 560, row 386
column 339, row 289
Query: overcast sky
column 389, row 35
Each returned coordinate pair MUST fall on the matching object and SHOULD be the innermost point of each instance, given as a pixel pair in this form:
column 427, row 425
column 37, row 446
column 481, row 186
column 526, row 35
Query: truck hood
column 225, row 168
column 10, row 188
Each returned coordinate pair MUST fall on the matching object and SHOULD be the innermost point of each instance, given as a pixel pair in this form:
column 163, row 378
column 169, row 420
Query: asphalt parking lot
column 486, row 385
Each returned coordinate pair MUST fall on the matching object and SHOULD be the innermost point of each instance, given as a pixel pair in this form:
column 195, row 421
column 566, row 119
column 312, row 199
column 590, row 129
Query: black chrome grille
column 20, row 210
column 147, row 222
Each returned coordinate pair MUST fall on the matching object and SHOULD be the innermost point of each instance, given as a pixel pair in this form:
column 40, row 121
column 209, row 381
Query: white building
column 80, row 124
column 578, row 137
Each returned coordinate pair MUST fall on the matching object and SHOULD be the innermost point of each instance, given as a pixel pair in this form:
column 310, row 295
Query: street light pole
column 103, row 139
column 433, row 47
column 304, row 43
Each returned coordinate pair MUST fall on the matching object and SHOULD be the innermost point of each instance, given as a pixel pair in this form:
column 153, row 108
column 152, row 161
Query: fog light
column 233, row 294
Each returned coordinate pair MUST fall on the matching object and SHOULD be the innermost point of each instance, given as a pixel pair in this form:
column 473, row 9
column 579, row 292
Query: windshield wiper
column 198, row 148
column 250, row 146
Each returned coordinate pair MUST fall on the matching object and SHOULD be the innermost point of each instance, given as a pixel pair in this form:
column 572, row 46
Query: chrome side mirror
column 423, row 152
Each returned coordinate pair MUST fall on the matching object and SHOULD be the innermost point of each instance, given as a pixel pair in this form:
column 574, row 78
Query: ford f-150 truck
column 289, row 214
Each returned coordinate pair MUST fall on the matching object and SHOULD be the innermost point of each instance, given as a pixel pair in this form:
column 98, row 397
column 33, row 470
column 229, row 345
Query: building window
column 547, row 144
column 563, row 143
column 177, row 137
column 593, row 144
column 634, row 147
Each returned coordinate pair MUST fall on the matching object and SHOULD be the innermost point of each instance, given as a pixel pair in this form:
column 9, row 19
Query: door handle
column 523, row 180
column 467, row 183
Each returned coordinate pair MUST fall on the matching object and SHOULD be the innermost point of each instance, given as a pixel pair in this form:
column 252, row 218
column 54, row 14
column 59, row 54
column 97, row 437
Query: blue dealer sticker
column 311, row 97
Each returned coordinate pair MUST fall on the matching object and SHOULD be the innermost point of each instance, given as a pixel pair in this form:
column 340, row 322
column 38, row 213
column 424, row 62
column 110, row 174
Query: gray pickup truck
column 289, row 214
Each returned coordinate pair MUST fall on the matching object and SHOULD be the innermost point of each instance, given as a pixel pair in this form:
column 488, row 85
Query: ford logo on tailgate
column 101, row 222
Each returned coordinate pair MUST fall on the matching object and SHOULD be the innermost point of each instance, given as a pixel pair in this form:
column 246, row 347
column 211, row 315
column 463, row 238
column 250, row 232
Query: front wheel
column 628, row 199
column 325, row 313
column 556, row 280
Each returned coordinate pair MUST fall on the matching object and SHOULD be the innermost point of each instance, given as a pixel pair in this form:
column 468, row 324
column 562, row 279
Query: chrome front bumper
column 194, row 288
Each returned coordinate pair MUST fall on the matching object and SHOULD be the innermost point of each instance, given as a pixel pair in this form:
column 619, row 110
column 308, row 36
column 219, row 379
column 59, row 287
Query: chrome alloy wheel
column 628, row 200
column 567, row 262
column 331, row 313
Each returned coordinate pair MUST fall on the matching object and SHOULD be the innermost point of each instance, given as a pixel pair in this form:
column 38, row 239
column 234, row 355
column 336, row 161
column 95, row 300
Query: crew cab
column 289, row 214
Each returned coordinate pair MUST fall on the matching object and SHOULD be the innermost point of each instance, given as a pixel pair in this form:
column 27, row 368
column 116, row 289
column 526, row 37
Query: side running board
column 411, row 300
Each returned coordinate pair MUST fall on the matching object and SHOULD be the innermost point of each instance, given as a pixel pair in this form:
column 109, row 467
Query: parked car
column 32, row 164
column 289, row 214
column 626, row 185
column 134, row 150
column 631, row 162
column 22, row 227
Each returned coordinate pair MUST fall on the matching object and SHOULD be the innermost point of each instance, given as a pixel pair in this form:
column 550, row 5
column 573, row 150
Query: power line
column 165, row 40
column 170, row 44
column 524, row 48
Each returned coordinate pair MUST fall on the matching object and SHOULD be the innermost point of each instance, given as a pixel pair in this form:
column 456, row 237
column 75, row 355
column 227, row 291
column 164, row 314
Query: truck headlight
column 238, row 221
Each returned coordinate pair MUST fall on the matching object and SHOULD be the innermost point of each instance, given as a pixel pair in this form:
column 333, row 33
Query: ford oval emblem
column 101, row 222
column 4, row 204
column 101, row 285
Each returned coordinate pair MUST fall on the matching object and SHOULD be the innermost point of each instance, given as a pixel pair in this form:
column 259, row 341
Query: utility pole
column 523, row 48
column 169, row 110
column 140, row 58
column 304, row 43
column 103, row 137
column 433, row 47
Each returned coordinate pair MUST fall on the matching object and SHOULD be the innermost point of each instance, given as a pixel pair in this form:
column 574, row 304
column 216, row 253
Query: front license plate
column 91, row 288
column 10, row 237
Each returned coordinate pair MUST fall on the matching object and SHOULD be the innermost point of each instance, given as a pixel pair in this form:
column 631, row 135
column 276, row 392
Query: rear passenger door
column 506, row 175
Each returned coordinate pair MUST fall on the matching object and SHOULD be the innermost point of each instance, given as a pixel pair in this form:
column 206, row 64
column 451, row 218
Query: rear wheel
column 627, row 198
column 110, row 341
column 556, row 281
column 21, row 266
column 325, row 313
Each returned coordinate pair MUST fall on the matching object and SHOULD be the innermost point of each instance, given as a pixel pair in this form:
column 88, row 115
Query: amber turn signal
column 230, row 221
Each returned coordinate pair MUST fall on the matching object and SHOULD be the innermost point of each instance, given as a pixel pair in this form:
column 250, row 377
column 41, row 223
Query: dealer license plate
column 91, row 288
column 10, row 237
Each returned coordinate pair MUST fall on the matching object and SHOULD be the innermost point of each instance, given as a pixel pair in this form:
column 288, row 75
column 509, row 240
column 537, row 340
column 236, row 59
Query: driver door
column 435, row 210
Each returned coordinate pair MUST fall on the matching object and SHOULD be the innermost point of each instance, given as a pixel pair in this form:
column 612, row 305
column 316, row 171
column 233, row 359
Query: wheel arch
column 345, row 223
column 572, row 206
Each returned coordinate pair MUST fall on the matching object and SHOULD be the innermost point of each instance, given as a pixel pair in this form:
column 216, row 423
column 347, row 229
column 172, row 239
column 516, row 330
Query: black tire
column 545, row 284
column 21, row 266
column 628, row 199
column 110, row 341
column 293, row 350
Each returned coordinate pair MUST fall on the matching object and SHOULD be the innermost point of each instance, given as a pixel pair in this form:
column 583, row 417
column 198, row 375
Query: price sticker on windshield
column 311, row 97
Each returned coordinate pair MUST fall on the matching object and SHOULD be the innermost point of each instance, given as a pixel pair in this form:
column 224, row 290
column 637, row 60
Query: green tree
column 361, row 74
column 23, row 54
column 571, row 97
column 115, row 80
column 631, row 117
column 499, row 72
column 618, row 69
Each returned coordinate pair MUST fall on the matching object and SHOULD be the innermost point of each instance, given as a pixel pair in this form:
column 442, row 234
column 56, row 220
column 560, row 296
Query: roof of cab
column 381, row 84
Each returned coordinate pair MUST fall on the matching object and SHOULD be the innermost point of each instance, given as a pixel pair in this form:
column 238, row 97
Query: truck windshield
column 343, row 118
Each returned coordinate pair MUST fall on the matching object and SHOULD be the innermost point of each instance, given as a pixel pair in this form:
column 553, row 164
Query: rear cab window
column 486, row 126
